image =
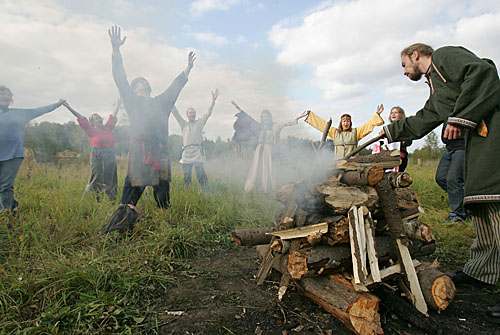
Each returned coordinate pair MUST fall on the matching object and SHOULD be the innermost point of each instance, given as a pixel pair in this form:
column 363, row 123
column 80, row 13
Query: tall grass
column 59, row 276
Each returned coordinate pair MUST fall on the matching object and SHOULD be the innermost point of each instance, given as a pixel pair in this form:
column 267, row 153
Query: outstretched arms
column 74, row 112
column 237, row 107
column 178, row 117
column 117, row 108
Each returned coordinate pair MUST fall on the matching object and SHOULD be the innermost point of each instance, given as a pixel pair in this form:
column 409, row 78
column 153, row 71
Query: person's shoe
column 493, row 313
column 460, row 278
column 455, row 218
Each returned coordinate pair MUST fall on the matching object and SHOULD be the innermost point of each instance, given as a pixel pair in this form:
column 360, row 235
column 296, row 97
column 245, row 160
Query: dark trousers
column 132, row 194
column 450, row 177
column 8, row 173
column 201, row 175
column 103, row 174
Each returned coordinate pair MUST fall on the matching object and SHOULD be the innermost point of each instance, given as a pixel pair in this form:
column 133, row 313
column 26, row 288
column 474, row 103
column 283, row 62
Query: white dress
column 261, row 174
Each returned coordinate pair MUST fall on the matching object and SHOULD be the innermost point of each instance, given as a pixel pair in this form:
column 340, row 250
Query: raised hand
column 380, row 109
column 62, row 102
column 215, row 94
column 306, row 113
column 191, row 59
column 115, row 37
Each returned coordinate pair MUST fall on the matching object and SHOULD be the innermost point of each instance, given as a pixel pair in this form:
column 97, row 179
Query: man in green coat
column 465, row 93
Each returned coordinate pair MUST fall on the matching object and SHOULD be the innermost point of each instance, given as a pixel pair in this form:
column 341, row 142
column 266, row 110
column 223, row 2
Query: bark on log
column 389, row 206
column 357, row 311
column 364, row 176
column 386, row 159
column 325, row 260
column 400, row 179
column 437, row 287
column 413, row 229
column 249, row 237
column 406, row 312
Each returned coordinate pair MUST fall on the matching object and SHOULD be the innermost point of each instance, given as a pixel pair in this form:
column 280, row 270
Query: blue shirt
column 12, row 125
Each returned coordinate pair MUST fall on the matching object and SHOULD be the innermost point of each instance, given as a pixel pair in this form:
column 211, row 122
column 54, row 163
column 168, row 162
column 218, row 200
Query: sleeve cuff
column 461, row 122
column 388, row 134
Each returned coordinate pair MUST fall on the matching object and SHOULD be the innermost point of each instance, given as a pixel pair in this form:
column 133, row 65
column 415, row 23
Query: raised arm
column 119, row 74
column 182, row 123
column 367, row 127
column 237, row 107
column 117, row 108
column 317, row 122
column 215, row 94
column 191, row 59
column 74, row 112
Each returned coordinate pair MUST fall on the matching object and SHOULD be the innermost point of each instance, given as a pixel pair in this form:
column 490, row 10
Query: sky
column 287, row 56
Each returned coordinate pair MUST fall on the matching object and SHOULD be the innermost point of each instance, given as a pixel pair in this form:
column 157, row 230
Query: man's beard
column 417, row 75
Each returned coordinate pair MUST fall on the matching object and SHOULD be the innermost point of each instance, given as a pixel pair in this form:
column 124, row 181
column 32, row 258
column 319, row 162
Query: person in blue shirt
column 13, row 121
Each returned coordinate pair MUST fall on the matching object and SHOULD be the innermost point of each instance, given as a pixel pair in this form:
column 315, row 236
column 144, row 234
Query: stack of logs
column 351, row 241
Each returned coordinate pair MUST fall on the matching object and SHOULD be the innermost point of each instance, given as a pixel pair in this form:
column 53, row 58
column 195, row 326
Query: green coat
column 465, row 90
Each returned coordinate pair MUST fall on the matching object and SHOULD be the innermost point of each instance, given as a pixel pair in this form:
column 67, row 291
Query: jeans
column 201, row 175
column 8, row 173
column 450, row 177
column 132, row 194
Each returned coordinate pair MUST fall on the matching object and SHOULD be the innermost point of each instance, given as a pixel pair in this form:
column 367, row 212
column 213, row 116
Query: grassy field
column 58, row 275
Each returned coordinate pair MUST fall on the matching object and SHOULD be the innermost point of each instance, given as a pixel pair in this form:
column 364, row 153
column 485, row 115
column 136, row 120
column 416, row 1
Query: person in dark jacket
column 148, row 162
column 465, row 93
column 450, row 175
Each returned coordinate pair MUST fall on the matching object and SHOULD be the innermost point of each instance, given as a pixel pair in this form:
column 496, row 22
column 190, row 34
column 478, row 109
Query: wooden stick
column 364, row 145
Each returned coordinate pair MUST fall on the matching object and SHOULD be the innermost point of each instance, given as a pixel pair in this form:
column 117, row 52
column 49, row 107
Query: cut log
column 326, row 260
column 414, row 229
column 389, row 207
column 439, row 290
column 412, row 213
column 357, row 311
column 320, row 228
column 251, row 236
column 341, row 198
column 370, row 175
column 405, row 311
column 400, row 179
column 386, row 159
column 407, row 198
column 389, row 271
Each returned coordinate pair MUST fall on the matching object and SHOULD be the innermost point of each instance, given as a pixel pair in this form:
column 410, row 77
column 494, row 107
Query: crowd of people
column 464, row 98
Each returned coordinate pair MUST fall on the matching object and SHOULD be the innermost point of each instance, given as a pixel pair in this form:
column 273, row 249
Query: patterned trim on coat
column 462, row 122
column 482, row 198
column 388, row 134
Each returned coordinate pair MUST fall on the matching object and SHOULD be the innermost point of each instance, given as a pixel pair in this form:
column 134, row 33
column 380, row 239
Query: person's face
column 346, row 123
column 265, row 118
column 410, row 67
column 191, row 115
column 97, row 120
column 142, row 88
column 395, row 115
column 5, row 98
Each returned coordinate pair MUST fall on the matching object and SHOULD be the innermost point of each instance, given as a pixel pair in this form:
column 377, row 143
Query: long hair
column 400, row 110
column 268, row 113
column 340, row 128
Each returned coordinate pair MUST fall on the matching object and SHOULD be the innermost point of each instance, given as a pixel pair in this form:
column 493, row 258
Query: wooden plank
column 304, row 231
column 370, row 245
column 412, row 277
column 362, row 241
column 355, row 252
column 389, row 271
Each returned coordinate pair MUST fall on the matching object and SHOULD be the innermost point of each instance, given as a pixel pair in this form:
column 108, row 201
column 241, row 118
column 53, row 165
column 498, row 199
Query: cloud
column 210, row 38
column 354, row 46
column 200, row 7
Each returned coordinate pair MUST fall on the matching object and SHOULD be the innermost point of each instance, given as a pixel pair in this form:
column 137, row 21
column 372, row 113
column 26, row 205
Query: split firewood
column 438, row 289
column 325, row 260
column 320, row 228
column 400, row 179
column 411, row 213
column 335, row 294
column 251, row 236
column 369, row 175
column 341, row 198
column 406, row 198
